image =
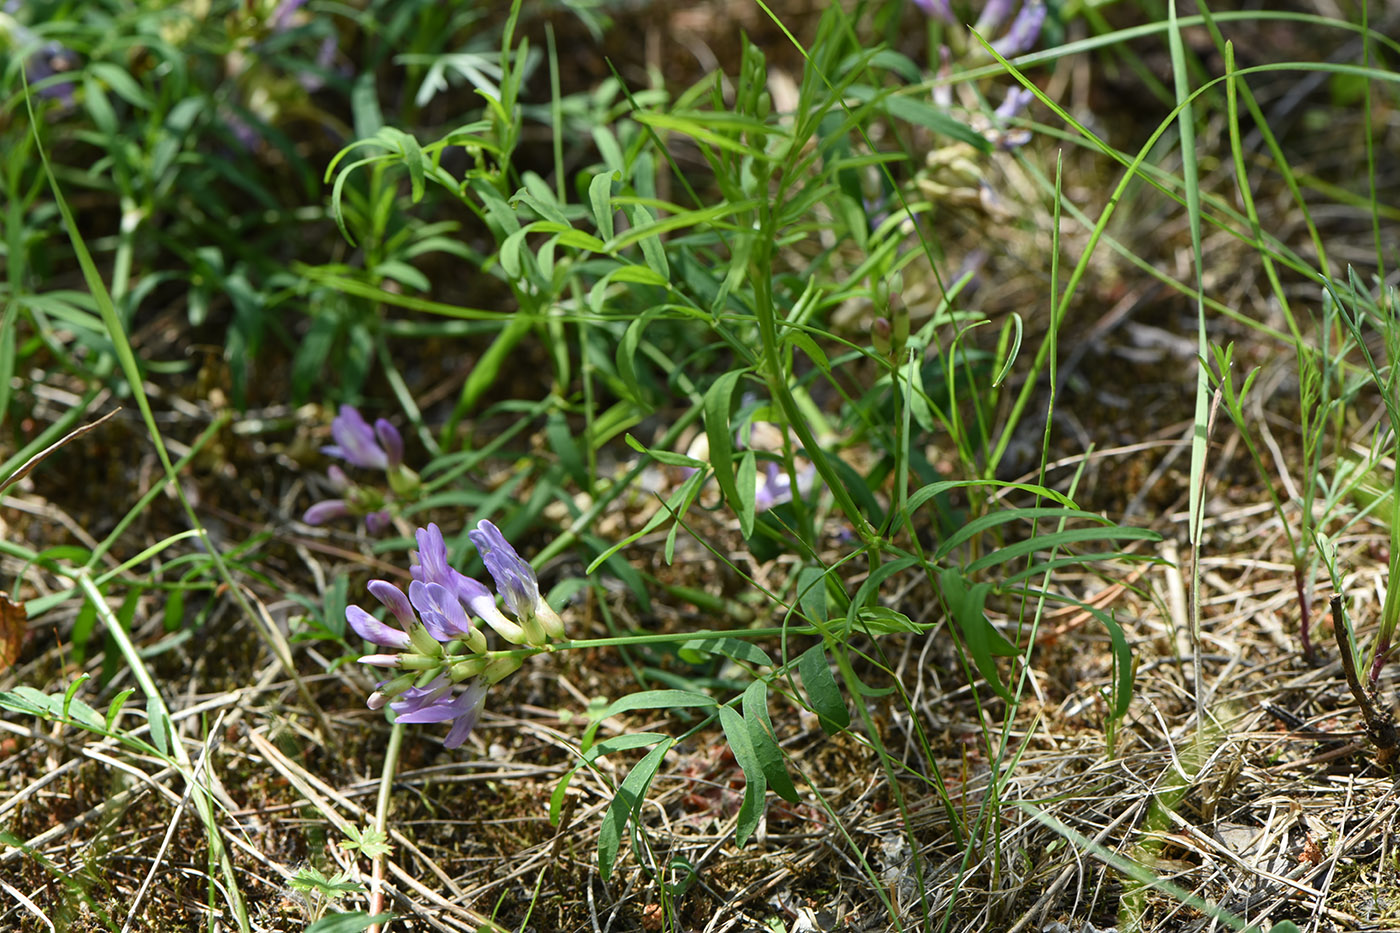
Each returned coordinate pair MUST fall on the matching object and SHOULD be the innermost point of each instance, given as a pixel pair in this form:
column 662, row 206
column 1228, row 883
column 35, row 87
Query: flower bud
column 501, row 667
column 404, row 482
column 418, row 662
column 553, row 625
column 424, row 643
column 465, row 670
column 391, row 688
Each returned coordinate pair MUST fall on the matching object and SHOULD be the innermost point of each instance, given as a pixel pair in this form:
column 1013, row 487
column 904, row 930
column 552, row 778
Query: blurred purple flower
column 42, row 60
column 1016, row 100
column 993, row 14
column 378, row 522
column 377, row 448
column 938, row 9
column 282, row 16
column 369, row 447
column 775, row 485
column 1025, row 29
column 326, row 510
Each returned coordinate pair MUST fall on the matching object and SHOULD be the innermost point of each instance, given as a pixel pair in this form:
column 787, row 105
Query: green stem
column 381, row 818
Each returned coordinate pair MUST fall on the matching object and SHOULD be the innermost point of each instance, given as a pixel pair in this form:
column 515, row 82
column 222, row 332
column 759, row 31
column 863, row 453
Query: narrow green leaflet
column 114, row 709
column 600, row 198
column 1012, row 552
column 922, row 114
column 719, row 433
column 697, row 650
column 984, row 642
column 881, row 620
column 736, row 731
column 1122, row 664
column 625, row 805
column 615, row 744
column 983, row 523
column 647, row 699
column 822, row 693
column 765, row 741
column 746, row 485
column 650, row 241
column 160, row 724
column 811, row 593
column 925, row 493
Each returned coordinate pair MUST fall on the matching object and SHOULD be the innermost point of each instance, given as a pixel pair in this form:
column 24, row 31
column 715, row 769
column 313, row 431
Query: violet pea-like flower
column 443, row 616
column 517, row 584
column 774, row 486
column 375, row 448
column 437, row 703
column 432, row 567
column 413, row 638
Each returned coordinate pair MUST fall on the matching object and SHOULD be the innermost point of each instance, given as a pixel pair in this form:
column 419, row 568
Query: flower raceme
column 442, row 662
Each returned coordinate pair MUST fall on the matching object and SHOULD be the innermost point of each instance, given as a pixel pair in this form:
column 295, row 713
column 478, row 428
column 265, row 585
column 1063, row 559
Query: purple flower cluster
column 1020, row 35
column 377, row 447
column 444, row 665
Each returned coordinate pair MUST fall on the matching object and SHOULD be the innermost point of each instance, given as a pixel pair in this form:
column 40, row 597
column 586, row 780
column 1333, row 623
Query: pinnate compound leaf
column 765, row 741
column 736, row 731
column 625, row 805
column 822, row 693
